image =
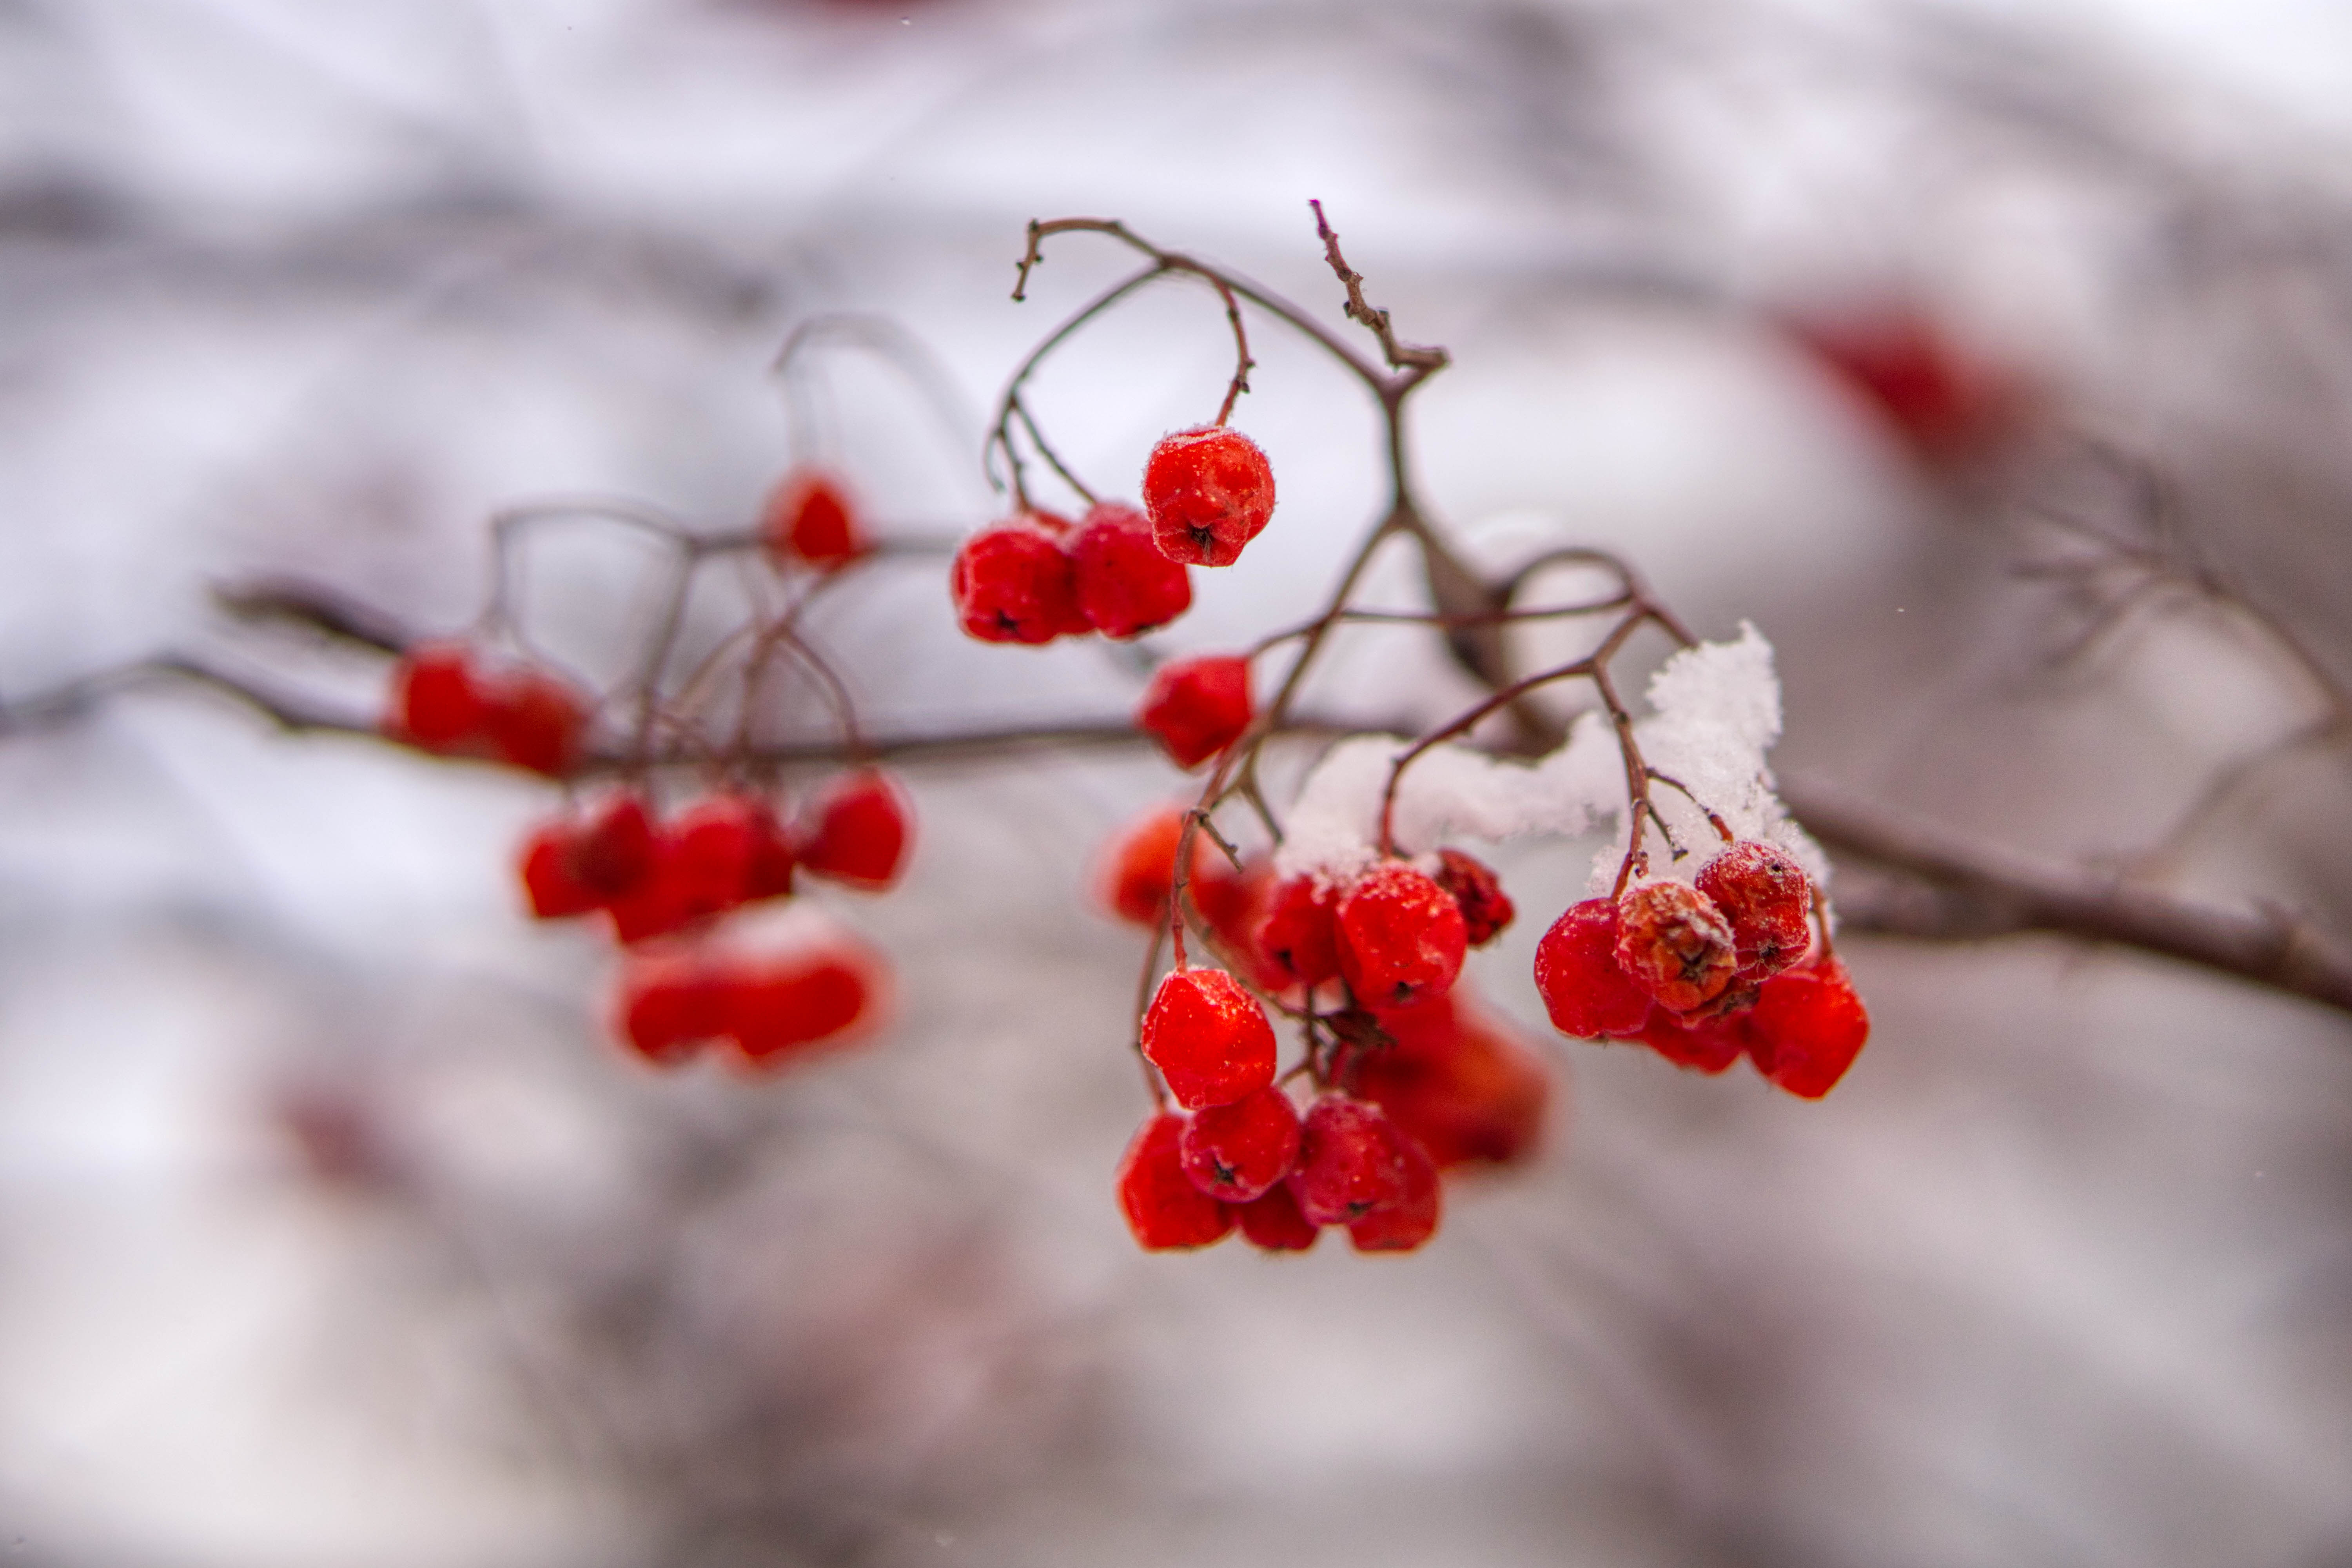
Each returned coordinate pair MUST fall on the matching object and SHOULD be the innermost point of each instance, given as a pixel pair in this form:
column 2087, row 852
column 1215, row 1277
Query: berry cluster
column 1703, row 971
column 1413, row 1079
column 665, row 884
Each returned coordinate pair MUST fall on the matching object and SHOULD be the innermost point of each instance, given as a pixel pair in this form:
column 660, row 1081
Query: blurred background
column 1996, row 361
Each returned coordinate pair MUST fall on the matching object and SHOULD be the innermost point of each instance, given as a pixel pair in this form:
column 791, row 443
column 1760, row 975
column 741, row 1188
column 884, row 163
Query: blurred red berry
column 1208, row 1037
column 670, row 1003
column 1124, row 584
column 436, row 701
column 1164, row 1208
column 1197, row 707
column 778, row 1007
column 535, row 720
column 1412, row 1220
column 809, row 517
column 1400, row 936
column 1457, row 1082
column 1209, row 491
column 1273, row 1223
column 1298, row 938
column 859, row 832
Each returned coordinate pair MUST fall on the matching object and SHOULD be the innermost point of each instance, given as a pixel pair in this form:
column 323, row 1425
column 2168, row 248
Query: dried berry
column 1674, row 944
column 1768, row 898
column 1486, row 910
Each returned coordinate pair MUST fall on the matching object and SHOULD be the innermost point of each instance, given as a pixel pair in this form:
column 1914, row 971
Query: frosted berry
column 1674, row 944
column 1400, row 936
column 1124, row 584
column 1197, row 707
column 1164, row 1209
column 1412, row 1219
column 1210, row 492
column 1456, row 1082
column 1807, row 1026
column 1577, row 975
column 1351, row 1161
column 535, row 720
column 1208, row 1037
column 1701, row 1045
column 1299, row 937
column 436, row 701
column 858, row 833
column 1235, row 1152
column 1768, row 898
column 1012, row 583
column 1486, row 910
column 670, row 1003
column 809, row 517
column 1273, row 1224
column 777, row 1008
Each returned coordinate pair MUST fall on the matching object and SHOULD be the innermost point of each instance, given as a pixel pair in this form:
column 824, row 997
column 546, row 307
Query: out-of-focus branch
column 1954, row 889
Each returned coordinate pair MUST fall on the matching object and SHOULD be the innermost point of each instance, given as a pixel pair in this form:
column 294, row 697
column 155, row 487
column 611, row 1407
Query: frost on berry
column 1208, row 1037
column 1486, row 910
column 1164, row 1208
column 1273, row 1223
column 1577, row 975
column 1209, row 491
column 1235, row 1152
column 1400, row 936
column 856, row 833
column 1405, row 1224
column 809, row 519
column 1457, row 1082
column 1297, row 939
column 1124, row 584
column 1197, row 707
column 1674, row 944
column 1700, row 1045
column 1767, row 897
column 1351, row 1161
column 435, row 703
column 1012, row 583
column 1807, row 1026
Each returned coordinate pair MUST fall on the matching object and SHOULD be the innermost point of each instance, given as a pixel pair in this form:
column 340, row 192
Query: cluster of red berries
column 1417, row 1079
column 1703, row 973
column 450, row 699
column 1037, row 576
column 673, row 879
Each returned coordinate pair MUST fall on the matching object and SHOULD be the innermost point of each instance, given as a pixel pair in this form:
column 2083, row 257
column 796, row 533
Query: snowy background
column 333, row 1231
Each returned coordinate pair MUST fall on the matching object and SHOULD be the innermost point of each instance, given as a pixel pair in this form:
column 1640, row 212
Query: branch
column 1967, row 891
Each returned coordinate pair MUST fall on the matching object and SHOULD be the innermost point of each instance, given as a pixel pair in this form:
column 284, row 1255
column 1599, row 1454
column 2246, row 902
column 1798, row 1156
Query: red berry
column 707, row 852
column 1909, row 370
column 1456, row 1082
column 859, row 833
column 614, row 852
column 546, row 877
column 776, row 1007
column 809, row 517
column 1139, row 867
column 1235, row 1152
column 1351, row 1161
column 1208, row 1037
column 1124, row 584
column 670, row 1003
column 1807, row 1026
column 535, row 720
column 1197, row 707
column 1412, row 1219
column 435, row 703
column 1013, row 584
column 1164, row 1208
column 1577, row 975
column 1402, row 937
column 1674, row 944
column 1273, row 1224
column 1210, row 492
column 1486, row 910
column 1767, row 896
column 1701, row 1045
column 1299, row 938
